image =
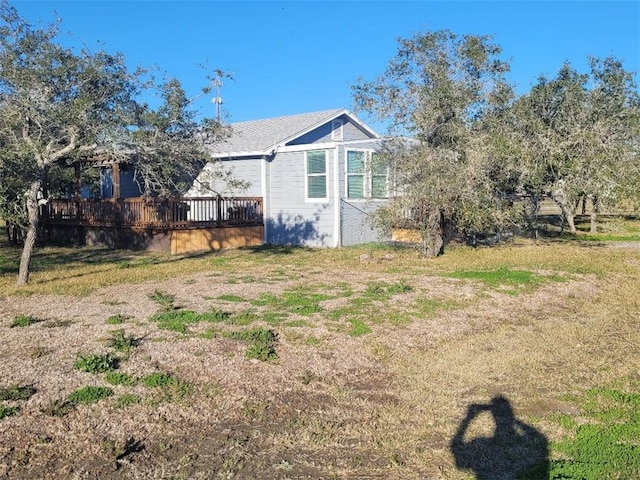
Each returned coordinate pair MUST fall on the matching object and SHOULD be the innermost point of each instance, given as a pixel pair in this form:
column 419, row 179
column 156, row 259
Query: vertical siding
column 292, row 220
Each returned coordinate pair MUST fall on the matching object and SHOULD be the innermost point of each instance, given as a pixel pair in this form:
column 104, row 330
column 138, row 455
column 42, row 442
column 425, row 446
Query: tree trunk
column 566, row 207
column 433, row 235
column 594, row 214
column 32, row 229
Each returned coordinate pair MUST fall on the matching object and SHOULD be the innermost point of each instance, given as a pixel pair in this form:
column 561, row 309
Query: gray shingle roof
column 263, row 135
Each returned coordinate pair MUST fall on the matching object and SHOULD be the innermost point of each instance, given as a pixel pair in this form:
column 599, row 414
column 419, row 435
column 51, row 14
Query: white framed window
column 366, row 175
column 316, row 175
column 337, row 130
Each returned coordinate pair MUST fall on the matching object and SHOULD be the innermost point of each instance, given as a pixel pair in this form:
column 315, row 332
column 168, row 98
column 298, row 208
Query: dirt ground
column 382, row 405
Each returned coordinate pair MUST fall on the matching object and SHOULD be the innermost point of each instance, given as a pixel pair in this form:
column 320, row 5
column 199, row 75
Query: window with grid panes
column 316, row 166
column 366, row 176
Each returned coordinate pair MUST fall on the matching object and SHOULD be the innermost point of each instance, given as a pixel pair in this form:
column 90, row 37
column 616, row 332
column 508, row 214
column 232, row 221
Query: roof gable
column 262, row 136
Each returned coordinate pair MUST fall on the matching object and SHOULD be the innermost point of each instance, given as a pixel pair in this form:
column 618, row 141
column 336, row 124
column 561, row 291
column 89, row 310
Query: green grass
column 608, row 238
column 506, row 277
column 262, row 343
column 24, row 321
column 93, row 363
column 89, row 394
column 127, row 399
column 358, row 328
column 117, row 319
column 243, row 317
column 17, row 392
column 7, row 411
column 608, row 444
column 177, row 320
column 231, row 298
column 165, row 300
column 159, row 379
column 298, row 301
column 120, row 378
column 171, row 387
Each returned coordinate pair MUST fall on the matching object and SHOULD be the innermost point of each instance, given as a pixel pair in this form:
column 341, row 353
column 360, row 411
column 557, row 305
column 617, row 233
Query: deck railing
column 184, row 212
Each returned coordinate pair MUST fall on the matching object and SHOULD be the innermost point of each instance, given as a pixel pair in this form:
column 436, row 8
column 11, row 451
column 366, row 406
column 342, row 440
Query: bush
column 96, row 363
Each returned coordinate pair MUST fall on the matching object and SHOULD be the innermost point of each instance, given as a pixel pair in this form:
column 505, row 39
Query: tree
column 578, row 136
column 58, row 106
column 437, row 89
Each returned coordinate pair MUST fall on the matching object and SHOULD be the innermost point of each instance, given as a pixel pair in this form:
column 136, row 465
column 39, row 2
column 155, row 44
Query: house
column 316, row 173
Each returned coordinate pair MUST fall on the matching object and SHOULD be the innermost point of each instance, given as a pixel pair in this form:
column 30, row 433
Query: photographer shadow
column 514, row 451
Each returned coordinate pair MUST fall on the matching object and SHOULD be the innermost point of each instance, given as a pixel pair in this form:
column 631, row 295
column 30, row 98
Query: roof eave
column 252, row 153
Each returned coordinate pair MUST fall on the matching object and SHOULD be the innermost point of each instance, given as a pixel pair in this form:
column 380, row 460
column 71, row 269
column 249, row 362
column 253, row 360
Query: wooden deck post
column 77, row 193
column 116, row 180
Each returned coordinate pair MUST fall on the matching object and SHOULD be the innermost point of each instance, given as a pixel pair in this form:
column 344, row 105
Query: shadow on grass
column 515, row 450
column 48, row 258
column 270, row 249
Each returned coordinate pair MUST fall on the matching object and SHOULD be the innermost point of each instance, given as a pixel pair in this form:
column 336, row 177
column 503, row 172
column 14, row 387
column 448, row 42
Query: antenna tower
column 217, row 100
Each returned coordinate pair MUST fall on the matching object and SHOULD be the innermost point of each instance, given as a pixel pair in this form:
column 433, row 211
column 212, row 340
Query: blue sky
column 300, row 56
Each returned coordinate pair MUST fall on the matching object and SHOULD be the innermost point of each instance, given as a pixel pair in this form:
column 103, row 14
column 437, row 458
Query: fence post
column 219, row 210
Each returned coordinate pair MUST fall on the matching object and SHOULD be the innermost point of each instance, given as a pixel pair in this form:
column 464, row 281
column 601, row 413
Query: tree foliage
column 59, row 106
column 436, row 90
column 474, row 145
column 578, row 137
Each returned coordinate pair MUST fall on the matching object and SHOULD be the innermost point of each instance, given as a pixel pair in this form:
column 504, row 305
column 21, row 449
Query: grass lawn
column 514, row 361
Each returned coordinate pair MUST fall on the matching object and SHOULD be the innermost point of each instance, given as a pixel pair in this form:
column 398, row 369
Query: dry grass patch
column 377, row 366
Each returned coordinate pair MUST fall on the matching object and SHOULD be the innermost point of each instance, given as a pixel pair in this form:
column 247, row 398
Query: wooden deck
column 175, row 225
column 196, row 212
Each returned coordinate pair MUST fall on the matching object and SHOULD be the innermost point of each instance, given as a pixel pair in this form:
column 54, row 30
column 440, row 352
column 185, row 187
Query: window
column 316, row 174
column 355, row 174
column 366, row 175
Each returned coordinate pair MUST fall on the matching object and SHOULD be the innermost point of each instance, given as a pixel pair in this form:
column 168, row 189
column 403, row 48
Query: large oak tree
column 59, row 105
column 578, row 137
column 436, row 90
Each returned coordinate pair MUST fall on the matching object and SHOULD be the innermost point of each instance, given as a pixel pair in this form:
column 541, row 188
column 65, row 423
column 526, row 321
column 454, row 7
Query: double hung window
column 366, row 175
column 316, row 174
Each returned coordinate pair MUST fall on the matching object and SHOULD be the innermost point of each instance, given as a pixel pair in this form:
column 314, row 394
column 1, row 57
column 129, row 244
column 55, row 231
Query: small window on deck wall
column 337, row 130
column 316, row 173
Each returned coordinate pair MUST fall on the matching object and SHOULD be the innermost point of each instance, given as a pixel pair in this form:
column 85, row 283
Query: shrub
column 120, row 342
column 165, row 300
column 96, row 363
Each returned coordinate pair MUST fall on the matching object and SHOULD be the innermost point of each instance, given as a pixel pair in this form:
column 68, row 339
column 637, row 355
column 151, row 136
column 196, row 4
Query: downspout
column 337, row 219
column 263, row 192
column 266, row 200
